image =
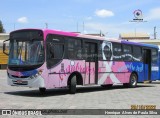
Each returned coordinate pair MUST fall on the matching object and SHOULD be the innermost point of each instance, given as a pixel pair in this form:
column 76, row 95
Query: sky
column 111, row 17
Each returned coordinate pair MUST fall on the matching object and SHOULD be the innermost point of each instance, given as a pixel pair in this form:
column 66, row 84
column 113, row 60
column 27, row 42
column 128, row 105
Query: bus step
column 146, row 82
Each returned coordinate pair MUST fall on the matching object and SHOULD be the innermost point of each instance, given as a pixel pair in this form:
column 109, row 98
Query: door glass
column 93, row 54
column 87, row 52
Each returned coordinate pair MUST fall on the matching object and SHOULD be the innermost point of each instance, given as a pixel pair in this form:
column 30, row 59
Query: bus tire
column 133, row 80
column 72, row 85
column 42, row 90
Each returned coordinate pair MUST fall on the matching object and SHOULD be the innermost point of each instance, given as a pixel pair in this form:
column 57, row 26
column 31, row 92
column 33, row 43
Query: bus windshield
column 25, row 53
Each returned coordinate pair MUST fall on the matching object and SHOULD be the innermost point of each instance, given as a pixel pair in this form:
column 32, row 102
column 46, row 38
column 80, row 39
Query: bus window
column 107, row 51
column 78, row 49
column 74, row 48
column 154, row 56
column 117, row 52
column 127, row 53
column 100, row 51
column 86, row 52
column 71, row 53
column 137, row 53
column 55, row 50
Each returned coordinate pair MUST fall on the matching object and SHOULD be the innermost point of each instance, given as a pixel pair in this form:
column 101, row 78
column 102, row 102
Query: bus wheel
column 42, row 90
column 133, row 80
column 72, row 85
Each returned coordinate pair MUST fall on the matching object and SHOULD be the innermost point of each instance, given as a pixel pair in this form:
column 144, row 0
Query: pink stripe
column 46, row 31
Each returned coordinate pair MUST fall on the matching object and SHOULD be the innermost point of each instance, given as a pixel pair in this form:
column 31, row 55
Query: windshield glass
column 26, row 52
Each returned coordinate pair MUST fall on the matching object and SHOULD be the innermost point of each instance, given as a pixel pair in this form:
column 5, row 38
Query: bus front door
column 91, row 63
column 147, row 64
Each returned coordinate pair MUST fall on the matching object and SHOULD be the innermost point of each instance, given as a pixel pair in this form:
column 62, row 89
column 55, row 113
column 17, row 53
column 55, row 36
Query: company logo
column 138, row 16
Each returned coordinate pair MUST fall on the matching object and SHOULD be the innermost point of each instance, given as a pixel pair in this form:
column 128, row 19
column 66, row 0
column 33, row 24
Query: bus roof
column 59, row 32
column 140, row 44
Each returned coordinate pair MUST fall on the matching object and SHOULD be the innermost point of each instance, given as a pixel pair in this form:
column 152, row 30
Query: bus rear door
column 147, row 64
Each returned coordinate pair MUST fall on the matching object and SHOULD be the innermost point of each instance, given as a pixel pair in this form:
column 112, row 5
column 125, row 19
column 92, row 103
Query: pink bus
column 55, row 59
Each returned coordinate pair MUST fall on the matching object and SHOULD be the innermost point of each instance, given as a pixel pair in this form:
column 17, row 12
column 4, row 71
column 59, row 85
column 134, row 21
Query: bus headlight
column 36, row 75
column 40, row 72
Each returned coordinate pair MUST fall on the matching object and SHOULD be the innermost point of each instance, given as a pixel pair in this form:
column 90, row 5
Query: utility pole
column 155, row 33
column 46, row 25
column 77, row 27
column 83, row 27
column 135, row 32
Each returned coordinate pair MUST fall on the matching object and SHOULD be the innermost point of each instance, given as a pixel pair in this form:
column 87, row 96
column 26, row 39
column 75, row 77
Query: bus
column 47, row 59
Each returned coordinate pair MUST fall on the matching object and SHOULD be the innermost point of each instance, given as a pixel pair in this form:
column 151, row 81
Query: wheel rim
column 133, row 80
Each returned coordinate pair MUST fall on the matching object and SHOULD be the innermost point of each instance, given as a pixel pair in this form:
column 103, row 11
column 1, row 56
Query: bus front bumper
column 34, row 82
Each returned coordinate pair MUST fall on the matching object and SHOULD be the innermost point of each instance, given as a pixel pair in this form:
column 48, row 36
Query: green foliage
column 2, row 30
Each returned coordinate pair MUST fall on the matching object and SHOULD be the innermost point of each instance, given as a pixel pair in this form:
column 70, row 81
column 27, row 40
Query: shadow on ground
column 63, row 91
column 155, row 82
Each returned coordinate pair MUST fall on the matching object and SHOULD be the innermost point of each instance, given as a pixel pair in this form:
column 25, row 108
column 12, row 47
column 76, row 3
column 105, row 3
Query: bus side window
column 107, row 52
column 55, row 50
column 71, row 52
column 100, row 57
column 55, row 53
column 154, row 56
column 127, row 53
column 117, row 52
column 74, row 48
column 86, row 52
column 50, row 51
column 137, row 53
column 79, row 49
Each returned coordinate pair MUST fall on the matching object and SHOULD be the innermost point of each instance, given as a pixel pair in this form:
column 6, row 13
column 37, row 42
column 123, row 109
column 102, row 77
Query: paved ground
column 94, row 97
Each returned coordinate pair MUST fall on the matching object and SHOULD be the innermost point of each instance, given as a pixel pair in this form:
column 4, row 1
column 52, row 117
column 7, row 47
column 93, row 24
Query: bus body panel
column 155, row 71
column 58, row 76
column 111, row 72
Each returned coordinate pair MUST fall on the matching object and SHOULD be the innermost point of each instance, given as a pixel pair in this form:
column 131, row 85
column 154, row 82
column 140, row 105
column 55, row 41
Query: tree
column 2, row 30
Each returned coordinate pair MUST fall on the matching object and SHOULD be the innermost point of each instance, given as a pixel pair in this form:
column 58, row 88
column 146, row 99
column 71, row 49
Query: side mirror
column 6, row 51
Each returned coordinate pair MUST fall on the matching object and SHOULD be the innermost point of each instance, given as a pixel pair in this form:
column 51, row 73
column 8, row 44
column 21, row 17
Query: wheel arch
column 79, row 78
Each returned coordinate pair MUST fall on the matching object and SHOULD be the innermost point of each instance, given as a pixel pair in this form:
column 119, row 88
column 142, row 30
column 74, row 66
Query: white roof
column 4, row 34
